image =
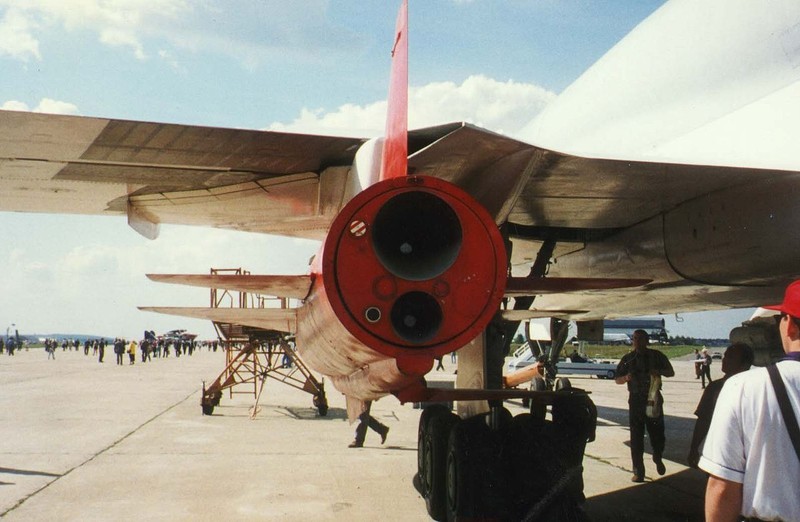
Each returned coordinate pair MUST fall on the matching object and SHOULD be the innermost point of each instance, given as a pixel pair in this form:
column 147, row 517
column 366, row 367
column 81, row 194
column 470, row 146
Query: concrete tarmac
column 84, row 441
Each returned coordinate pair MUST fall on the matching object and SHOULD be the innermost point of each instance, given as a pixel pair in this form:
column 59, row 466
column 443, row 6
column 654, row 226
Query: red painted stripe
column 394, row 162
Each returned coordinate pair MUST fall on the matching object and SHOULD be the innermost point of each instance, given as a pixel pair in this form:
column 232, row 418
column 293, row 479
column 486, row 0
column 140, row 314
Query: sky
column 302, row 66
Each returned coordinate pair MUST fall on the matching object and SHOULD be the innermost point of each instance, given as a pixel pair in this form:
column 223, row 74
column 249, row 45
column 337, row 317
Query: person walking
column 132, row 352
column 705, row 368
column 752, row 450
column 368, row 421
column 641, row 370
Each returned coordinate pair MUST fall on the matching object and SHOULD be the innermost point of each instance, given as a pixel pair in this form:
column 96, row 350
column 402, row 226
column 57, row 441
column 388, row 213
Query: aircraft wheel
column 538, row 410
column 208, row 409
column 538, row 384
column 216, row 398
column 563, row 383
column 424, row 421
column 529, row 460
column 475, row 475
column 435, row 464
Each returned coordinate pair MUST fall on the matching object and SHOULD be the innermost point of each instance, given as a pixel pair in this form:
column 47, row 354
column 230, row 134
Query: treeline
column 696, row 341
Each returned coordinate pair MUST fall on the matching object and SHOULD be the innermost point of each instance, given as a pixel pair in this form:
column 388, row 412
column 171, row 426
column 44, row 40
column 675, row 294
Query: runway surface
column 83, row 441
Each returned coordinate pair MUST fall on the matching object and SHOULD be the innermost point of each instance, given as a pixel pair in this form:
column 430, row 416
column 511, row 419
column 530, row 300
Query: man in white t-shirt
column 753, row 467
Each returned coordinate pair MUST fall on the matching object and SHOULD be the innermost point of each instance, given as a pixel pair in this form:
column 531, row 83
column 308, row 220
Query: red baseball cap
column 791, row 301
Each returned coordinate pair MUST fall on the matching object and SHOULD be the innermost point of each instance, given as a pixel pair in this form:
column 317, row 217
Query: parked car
column 566, row 366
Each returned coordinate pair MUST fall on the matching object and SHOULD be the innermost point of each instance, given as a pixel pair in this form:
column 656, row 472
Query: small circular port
column 373, row 314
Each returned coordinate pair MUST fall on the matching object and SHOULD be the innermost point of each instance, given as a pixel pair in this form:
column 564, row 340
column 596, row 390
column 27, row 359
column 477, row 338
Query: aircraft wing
column 155, row 172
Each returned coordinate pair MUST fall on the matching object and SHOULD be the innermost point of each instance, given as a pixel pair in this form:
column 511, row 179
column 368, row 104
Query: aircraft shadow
column 678, row 431
column 676, row 497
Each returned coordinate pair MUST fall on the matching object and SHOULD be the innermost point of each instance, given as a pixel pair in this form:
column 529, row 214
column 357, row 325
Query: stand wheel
column 321, row 403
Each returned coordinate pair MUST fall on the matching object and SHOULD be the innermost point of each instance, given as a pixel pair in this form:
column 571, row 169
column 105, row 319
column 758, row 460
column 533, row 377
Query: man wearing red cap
column 753, row 464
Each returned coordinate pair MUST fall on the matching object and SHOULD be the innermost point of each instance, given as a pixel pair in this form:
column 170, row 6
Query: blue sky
column 305, row 65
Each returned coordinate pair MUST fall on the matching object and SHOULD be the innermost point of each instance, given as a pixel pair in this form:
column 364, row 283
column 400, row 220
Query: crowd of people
column 148, row 348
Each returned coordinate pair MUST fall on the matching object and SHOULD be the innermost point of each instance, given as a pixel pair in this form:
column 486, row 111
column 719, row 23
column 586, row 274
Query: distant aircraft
column 664, row 180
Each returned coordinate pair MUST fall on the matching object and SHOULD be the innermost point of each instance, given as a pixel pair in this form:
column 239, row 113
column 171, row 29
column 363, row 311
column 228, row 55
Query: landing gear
column 476, row 468
column 435, row 424
column 495, row 467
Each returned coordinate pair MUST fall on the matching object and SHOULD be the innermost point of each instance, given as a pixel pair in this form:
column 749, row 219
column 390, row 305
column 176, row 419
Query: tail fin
column 394, row 162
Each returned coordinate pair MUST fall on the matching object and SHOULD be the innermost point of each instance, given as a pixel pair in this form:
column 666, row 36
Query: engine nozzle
column 416, row 317
column 416, row 236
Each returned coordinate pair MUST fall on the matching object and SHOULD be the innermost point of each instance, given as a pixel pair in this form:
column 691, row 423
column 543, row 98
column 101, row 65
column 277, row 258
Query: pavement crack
column 99, row 453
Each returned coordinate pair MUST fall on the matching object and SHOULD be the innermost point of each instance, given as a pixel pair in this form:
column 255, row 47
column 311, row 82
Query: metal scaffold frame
column 254, row 355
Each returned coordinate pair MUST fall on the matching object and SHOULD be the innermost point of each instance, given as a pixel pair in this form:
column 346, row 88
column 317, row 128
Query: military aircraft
column 663, row 180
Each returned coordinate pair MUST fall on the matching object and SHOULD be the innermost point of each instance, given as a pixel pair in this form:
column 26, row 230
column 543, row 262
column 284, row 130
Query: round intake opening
column 416, row 317
column 416, row 236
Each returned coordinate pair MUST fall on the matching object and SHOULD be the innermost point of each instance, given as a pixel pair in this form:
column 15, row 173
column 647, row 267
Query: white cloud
column 499, row 106
column 16, row 36
column 46, row 105
column 249, row 32
column 14, row 105
column 56, row 107
column 116, row 22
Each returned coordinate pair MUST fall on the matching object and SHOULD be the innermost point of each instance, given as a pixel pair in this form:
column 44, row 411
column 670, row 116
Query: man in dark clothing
column 638, row 369
column 119, row 349
column 738, row 358
column 705, row 367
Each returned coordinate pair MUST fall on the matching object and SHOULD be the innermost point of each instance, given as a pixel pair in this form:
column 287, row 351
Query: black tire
column 435, row 464
column 563, row 383
column 538, row 410
column 528, row 475
column 425, row 417
column 610, row 374
column 208, row 409
column 321, row 403
column 538, row 384
column 476, row 476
